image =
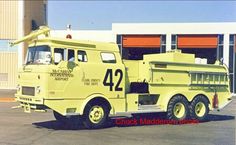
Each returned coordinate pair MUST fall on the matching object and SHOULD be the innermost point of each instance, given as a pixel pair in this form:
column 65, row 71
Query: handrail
column 198, row 78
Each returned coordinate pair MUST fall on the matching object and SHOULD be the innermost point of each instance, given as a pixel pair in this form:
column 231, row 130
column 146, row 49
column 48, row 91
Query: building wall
column 219, row 34
column 8, row 70
column 8, row 32
column 15, row 22
column 8, row 19
column 169, row 29
column 34, row 12
column 99, row 35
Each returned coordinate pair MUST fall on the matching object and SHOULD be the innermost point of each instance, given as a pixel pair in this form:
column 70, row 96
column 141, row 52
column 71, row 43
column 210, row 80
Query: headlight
column 38, row 89
column 18, row 87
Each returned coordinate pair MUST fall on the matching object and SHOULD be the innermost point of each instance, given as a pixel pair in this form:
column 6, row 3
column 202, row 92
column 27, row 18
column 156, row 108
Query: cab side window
column 59, row 55
column 71, row 55
column 82, row 56
column 108, row 57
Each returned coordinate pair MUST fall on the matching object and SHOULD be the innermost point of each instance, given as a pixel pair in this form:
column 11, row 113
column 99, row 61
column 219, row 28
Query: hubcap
column 96, row 113
column 179, row 110
column 200, row 109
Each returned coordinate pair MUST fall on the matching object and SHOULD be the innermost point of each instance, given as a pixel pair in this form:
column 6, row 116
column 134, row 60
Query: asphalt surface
column 18, row 128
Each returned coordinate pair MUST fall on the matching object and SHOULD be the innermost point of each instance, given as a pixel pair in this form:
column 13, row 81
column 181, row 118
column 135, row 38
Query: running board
column 141, row 109
column 149, row 108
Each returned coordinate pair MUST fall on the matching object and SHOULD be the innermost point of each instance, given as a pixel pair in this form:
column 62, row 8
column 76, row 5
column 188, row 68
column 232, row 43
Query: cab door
column 113, row 80
column 101, row 73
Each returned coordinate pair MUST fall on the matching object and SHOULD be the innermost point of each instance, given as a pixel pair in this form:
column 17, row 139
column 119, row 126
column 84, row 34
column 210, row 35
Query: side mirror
column 57, row 57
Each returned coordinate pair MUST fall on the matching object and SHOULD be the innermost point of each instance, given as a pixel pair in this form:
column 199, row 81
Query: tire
column 95, row 115
column 178, row 108
column 199, row 108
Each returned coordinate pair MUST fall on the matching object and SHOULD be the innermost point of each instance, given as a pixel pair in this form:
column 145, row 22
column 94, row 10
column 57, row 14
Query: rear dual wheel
column 199, row 108
column 178, row 108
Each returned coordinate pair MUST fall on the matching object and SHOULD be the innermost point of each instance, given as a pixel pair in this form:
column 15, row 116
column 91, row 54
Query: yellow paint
column 200, row 109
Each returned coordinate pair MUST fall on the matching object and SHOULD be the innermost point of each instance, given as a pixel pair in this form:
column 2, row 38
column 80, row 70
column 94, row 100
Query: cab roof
column 85, row 44
column 34, row 38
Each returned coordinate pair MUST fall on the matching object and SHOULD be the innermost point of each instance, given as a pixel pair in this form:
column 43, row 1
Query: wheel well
column 177, row 95
column 100, row 100
column 174, row 96
column 203, row 96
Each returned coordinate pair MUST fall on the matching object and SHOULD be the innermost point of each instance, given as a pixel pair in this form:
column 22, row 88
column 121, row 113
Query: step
column 149, row 108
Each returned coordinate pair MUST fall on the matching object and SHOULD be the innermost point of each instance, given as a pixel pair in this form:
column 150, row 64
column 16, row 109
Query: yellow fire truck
column 89, row 80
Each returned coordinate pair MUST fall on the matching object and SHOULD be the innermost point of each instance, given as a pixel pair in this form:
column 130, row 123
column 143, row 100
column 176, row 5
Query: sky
column 100, row 14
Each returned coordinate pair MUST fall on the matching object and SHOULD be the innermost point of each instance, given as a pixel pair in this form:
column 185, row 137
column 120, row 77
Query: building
column 212, row 41
column 17, row 18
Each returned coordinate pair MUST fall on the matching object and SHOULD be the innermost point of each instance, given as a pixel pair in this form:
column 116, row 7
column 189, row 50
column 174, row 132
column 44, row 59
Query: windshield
column 39, row 55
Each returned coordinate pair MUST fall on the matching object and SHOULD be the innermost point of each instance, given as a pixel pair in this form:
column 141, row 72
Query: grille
column 28, row 91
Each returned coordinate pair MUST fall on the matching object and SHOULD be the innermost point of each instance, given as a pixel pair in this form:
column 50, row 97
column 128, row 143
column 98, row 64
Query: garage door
column 197, row 41
column 141, row 41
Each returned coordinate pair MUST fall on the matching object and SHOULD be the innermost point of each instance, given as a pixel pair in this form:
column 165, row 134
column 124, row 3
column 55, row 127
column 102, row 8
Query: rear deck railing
column 198, row 78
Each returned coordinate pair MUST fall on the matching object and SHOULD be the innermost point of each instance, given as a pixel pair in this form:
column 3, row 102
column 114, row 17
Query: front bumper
column 29, row 103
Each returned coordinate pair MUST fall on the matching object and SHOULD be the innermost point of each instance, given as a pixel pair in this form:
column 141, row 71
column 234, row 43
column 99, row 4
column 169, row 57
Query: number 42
column 108, row 79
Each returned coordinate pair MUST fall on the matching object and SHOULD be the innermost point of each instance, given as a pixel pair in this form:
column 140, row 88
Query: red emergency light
column 68, row 36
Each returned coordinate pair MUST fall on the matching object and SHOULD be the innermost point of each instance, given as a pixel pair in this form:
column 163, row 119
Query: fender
column 92, row 96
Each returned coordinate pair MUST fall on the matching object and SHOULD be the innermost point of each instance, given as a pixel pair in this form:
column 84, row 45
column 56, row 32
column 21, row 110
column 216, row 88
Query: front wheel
column 95, row 115
column 199, row 108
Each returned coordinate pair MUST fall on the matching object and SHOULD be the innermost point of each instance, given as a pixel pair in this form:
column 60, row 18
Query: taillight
column 215, row 101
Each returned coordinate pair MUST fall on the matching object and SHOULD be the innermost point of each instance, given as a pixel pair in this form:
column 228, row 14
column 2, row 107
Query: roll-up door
column 197, row 41
column 141, row 41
